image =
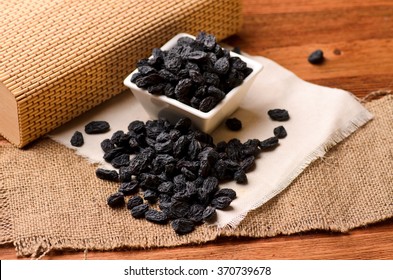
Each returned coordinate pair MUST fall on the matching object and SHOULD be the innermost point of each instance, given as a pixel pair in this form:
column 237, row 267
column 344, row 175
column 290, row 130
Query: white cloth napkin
column 320, row 117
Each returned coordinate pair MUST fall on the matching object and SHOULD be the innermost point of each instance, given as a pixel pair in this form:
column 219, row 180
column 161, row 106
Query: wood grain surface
column 356, row 37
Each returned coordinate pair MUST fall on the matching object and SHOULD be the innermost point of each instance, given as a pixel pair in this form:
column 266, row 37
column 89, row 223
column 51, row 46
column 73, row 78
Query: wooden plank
column 304, row 6
column 372, row 242
column 262, row 31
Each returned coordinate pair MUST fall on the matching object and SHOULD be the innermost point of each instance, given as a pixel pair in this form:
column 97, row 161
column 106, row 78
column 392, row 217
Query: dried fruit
column 177, row 168
column 209, row 214
column 278, row 114
column 105, row 174
column 226, row 192
column 280, row 132
column 207, row 104
column 139, row 211
column 107, row 145
column 316, row 57
column 233, row 124
column 221, row 202
column 182, row 226
column 187, row 70
column 134, row 201
column 77, row 139
column 268, row 143
column 156, row 216
column 97, row 127
column 116, row 200
column 128, row 188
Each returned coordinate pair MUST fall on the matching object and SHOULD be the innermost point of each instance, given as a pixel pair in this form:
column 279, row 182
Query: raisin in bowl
column 192, row 77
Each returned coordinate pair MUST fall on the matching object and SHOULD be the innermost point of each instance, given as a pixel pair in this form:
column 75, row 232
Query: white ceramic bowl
column 160, row 106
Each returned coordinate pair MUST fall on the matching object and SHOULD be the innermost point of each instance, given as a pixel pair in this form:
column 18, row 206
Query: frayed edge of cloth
column 339, row 135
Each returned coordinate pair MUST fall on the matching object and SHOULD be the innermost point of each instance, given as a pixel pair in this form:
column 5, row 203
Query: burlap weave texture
column 63, row 205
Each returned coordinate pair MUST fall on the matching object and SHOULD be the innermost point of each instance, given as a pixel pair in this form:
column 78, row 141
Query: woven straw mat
column 61, row 58
column 50, row 198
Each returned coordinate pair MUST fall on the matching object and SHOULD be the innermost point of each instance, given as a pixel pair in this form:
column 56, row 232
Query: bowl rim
column 256, row 66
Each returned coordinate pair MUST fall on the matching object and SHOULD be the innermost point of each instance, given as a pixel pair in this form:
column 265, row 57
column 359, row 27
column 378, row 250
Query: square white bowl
column 161, row 106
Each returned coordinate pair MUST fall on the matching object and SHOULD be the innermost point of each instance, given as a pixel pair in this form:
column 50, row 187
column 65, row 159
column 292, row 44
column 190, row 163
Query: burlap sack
column 51, row 199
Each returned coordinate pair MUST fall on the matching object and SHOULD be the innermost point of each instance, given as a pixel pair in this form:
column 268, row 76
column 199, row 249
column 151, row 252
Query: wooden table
column 357, row 39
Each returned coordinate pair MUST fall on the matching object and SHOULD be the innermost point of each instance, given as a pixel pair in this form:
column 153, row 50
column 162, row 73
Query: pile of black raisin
column 197, row 72
column 174, row 172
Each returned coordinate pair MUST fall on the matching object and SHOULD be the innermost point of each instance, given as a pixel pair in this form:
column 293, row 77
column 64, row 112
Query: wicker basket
column 59, row 59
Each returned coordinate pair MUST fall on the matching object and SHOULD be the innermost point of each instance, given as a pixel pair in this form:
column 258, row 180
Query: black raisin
column 196, row 213
column 316, row 57
column 183, row 125
column 237, row 63
column 77, row 139
column 134, row 201
column 268, row 143
column 115, row 152
column 217, row 93
column 122, row 160
column 196, row 56
column 166, row 187
column 105, row 174
column 233, row 124
column 182, row 226
column 146, row 70
column 280, row 132
column 248, row 163
column 226, row 192
column 129, row 188
column 179, row 208
column 222, row 65
column 107, row 145
column 125, row 174
column 96, row 127
column 137, row 126
column 196, row 76
column 156, row 216
column 240, row 177
column 139, row 211
column 173, row 62
column 207, row 104
column 150, row 195
column 221, row 202
column 116, row 200
column 209, row 214
column 278, row 114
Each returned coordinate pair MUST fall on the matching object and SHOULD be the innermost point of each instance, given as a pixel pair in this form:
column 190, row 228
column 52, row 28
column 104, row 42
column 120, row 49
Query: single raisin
column 77, row 139
column 268, row 143
column 116, row 200
column 280, row 132
column 134, row 201
column 316, row 57
column 221, row 202
column 182, row 226
column 156, row 216
column 97, row 127
column 139, row 211
column 105, row 174
column 233, row 124
column 209, row 214
column 278, row 114
column 129, row 188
